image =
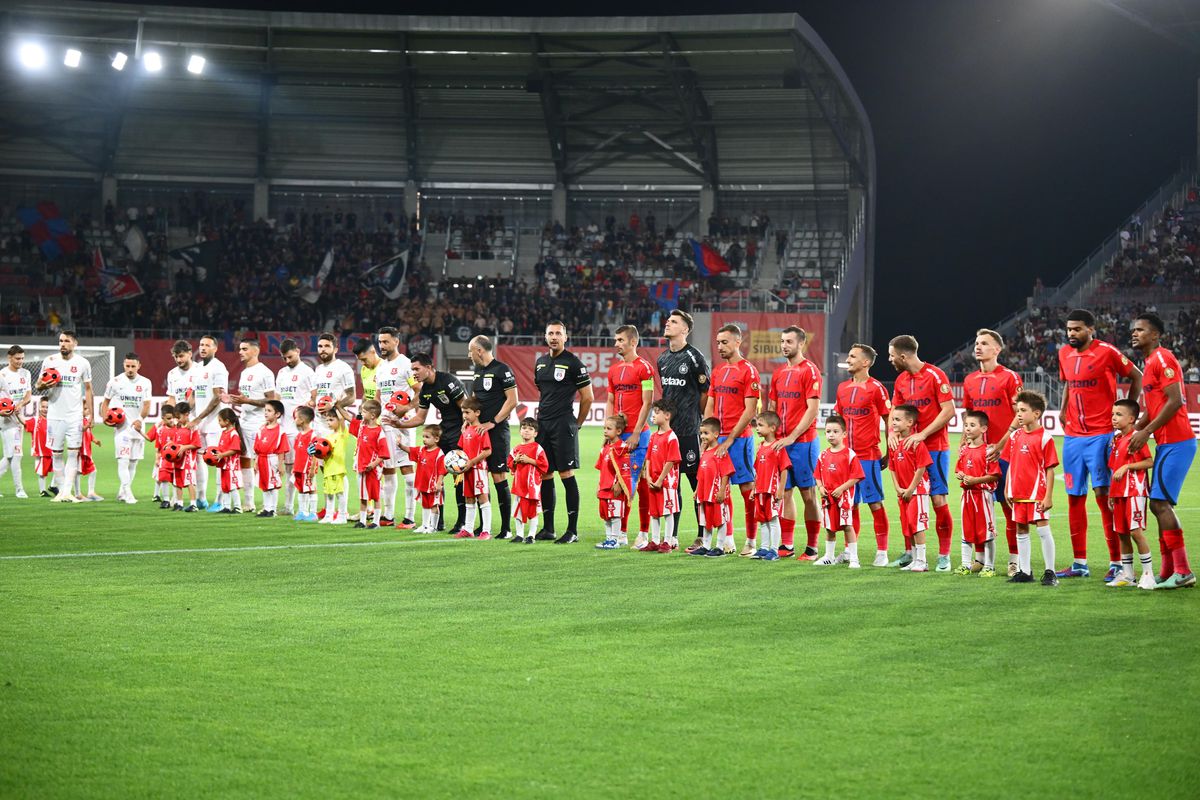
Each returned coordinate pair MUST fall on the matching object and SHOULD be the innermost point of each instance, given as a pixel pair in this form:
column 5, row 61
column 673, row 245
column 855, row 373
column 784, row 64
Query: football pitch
column 152, row 653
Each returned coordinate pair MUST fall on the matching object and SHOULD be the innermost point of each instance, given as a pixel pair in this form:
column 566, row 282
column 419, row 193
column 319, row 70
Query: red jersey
column 708, row 475
column 300, row 456
column 1133, row 483
column 1029, row 455
column 85, row 444
column 926, row 389
column 904, row 464
column 230, row 441
column 370, row 442
column 768, row 463
column 1091, row 377
column 1161, row 371
column 834, row 469
column 473, row 441
column 431, row 469
column 663, row 447
column 973, row 463
column 626, row 382
column 37, row 427
column 608, row 474
column 184, row 437
column 993, row 394
column 527, row 478
column 790, row 390
column 864, row 406
column 731, row 385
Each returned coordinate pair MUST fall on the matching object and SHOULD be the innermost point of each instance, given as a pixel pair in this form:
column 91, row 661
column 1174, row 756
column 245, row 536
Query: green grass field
column 427, row 667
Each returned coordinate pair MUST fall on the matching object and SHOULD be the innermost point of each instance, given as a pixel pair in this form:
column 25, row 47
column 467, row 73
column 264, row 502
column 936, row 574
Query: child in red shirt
column 304, row 466
column 838, row 471
column 1031, row 458
column 616, row 478
column 230, row 449
column 770, row 478
column 476, row 444
column 43, row 459
column 712, row 488
column 909, row 467
column 662, row 470
column 1127, row 496
column 270, row 445
column 183, row 473
column 529, row 464
column 978, row 477
column 162, row 435
column 429, row 476
column 370, row 451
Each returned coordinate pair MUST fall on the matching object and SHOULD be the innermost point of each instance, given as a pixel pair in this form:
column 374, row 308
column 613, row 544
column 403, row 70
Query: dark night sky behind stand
column 1011, row 136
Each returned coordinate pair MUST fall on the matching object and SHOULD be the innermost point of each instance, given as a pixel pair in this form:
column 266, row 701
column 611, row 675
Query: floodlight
column 118, row 62
column 72, row 58
column 152, row 61
column 31, row 55
column 195, row 65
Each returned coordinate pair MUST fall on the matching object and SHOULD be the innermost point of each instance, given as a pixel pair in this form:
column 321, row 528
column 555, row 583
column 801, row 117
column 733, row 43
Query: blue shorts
column 637, row 456
column 803, row 456
column 1086, row 457
column 938, row 472
column 1171, row 464
column 741, row 453
column 998, row 495
column 870, row 488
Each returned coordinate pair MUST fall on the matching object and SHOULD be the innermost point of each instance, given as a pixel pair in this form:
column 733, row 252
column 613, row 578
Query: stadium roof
column 741, row 101
column 1176, row 21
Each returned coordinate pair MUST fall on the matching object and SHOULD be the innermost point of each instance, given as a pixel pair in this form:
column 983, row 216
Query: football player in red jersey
column 733, row 398
column 1030, row 485
column 795, row 395
column 630, row 392
column 863, row 402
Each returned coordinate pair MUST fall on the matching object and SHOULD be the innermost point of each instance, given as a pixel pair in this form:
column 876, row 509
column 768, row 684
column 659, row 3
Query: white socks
column 469, row 525
column 655, row 528
column 123, row 476
column 70, row 470
column 968, row 554
column 248, row 486
column 851, row 551
column 432, row 516
column 344, row 498
column 270, row 499
column 486, row 511
column 1024, row 553
column 201, row 480
column 989, row 554
column 410, row 496
column 56, row 466
column 387, row 495
column 919, row 553
column 1047, row 545
column 289, row 494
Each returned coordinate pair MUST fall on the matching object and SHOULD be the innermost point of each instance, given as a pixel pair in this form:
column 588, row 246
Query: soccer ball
column 7, row 406
column 322, row 448
column 51, row 376
column 456, row 460
column 324, row 403
column 115, row 417
column 173, row 453
column 210, row 457
column 394, row 402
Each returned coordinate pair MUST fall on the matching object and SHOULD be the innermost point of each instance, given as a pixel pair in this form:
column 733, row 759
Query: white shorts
column 248, row 437
column 62, row 433
column 211, row 438
column 129, row 444
column 397, row 458
column 10, row 441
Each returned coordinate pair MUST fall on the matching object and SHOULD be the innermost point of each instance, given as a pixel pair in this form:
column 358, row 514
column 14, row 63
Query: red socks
column 1077, row 520
column 1010, row 528
column 643, row 496
column 945, row 528
column 1110, row 538
column 881, row 528
column 857, row 521
column 751, row 535
column 1175, row 552
column 787, row 531
column 751, row 523
column 812, row 527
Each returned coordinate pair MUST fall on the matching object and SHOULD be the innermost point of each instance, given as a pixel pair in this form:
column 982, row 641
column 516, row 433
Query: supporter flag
column 708, row 261
column 388, row 276
column 666, row 294
column 202, row 258
column 48, row 230
column 115, row 286
column 310, row 292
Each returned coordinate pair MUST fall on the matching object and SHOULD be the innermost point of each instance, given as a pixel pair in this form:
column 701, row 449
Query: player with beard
column 496, row 387
column 795, row 395
column 179, row 379
column 256, row 387
column 16, row 384
column 294, row 383
column 333, row 379
column 208, row 384
column 733, row 398
column 130, row 392
column 683, row 374
column 630, row 394
column 68, row 413
column 393, row 374
column 444, row 392
column 863, row 402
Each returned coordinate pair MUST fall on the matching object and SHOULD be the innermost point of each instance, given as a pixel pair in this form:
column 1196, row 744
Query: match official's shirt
column 558, row 378
column 444, row 394
column 926, row 389
column 684, row 374
column 489, row 385
column 993, row 393
column 1091, row 377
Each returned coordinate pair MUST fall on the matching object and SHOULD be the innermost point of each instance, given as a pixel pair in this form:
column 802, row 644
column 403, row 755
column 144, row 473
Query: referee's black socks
column 504, row 499
column 571, row 489
column 460, row 499
column 548, row 503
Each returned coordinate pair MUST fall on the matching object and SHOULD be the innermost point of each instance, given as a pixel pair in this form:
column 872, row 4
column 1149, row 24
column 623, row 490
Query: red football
column 324, row 403
column 173, row 453
column 322, row 448
column 51, row 376
column 210, row 457
column 115, row 417
column 7, row 406
column 398, row 399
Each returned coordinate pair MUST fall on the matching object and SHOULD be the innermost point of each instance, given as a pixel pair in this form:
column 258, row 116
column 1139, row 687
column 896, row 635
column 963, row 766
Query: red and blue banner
column 48, row 230
column 666, row 294
column 708, row 261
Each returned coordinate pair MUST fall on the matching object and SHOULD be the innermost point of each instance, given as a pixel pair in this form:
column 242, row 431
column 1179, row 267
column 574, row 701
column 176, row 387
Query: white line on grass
column 223, row 549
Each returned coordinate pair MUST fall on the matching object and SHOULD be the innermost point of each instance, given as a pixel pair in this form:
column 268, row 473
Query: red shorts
column 1026, row 513
column 43, row 466
column 978, row 516
column 231, row 475
column 182, row 477
column 166, row 471
column 713, row 516
column 431, row 499
column 1129, row 514
column 527, row 509
column 612, row 508
column 368, row 485
column 475, row 481
column 837, row 514
column 663, row 501
column 86, row 465
column 304, row 483
column 914, row 514
column 767, row 507
column 268, row 472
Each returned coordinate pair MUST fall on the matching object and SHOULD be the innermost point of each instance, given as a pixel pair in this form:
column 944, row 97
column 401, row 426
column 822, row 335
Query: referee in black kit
column 683, row 373
column 558, row 375
column 446, row 393
column 495, row 386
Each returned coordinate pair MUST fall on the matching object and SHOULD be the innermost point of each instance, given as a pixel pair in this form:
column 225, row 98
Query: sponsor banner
column 760, row 337
column 597, row 360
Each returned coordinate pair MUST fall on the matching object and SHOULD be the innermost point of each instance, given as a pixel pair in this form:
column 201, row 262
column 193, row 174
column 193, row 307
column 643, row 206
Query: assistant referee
column 496, row 388
column 559, row 375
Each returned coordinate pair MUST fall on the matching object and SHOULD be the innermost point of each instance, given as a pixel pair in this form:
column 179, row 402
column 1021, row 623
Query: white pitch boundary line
column 314, row 546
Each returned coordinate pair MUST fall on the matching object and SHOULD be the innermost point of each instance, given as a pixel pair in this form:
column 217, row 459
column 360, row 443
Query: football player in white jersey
column 393, row 373
column 210, row 382
column 17, row 385
column 70, row 409
column 131, row 393
column 179, row 379
column 333, row 378
column 256, row 386
column 294, row 382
